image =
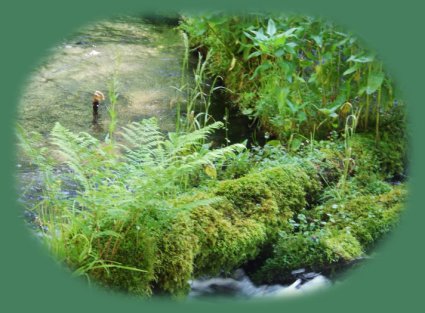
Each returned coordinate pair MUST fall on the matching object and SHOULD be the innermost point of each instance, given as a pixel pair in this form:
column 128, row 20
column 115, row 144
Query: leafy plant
column 293, row 73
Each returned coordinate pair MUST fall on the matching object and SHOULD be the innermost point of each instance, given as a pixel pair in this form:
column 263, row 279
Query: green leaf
column 362, row 90
column 318, row 40
column 247, row 111
column 352, row 69
column 295, row 144
column 271, row 28
column 249, row 36
column 260, row 68
column 289, row 32
column 254, row 54
column 292, row 107
column 273, row 143
column 259, row 35
column 374, row 81
column 364, row 59
column 302, row 116
column 279, row 53
column 300, row 79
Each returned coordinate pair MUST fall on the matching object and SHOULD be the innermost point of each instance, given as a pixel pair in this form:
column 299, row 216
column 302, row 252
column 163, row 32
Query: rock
column 309, row 276
column 318, row 282
column 92, row 53
column 297, row 272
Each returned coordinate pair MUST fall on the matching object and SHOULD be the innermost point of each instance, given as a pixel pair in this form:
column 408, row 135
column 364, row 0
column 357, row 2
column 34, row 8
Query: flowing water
column 240, row 286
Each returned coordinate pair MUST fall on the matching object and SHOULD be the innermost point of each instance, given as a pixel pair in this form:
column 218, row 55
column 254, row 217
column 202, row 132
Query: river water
column 143, row 58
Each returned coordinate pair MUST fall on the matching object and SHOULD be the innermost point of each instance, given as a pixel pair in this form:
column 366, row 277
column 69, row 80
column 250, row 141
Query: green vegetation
column 150, row 210
column 299, row 76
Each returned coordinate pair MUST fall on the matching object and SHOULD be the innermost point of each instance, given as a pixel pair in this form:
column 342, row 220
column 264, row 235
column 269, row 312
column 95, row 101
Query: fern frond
column 31, row 146
column 182, row 143
column 74, row 150
column 195, row 161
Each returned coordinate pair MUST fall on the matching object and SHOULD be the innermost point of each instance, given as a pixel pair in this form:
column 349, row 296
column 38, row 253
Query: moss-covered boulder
column 313, row 252
column 366, row 217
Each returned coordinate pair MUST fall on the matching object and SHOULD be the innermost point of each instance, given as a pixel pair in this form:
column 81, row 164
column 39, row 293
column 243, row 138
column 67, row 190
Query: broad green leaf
column 254, row 54
column 279, row 53
column 259, row 35
column 292, row 106
column 374, row 81
column 299, row 78
column 289, row 32
column 295, row 144
column 362, row 90
column 352, row 69
column 271, row 28
column 318, row 40
column 273, row 143
column 313, row 78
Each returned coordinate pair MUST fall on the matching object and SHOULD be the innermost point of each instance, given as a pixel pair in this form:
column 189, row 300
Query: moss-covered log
column 211, row 236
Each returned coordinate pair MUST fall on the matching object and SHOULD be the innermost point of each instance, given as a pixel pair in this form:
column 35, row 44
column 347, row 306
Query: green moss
column 291, row 186
column 365, row 155
column 135, row 249
column 367, row 217
column 209, row 232
column 322, row 248
column 329, row 163
column 176, row 251
column 225, row 243
column 222, row 234
column 272, row 195
column 246, row 194
column 385, row 158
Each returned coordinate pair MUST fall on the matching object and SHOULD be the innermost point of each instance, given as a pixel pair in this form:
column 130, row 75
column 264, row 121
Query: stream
column 239, row 285
column 145, row 60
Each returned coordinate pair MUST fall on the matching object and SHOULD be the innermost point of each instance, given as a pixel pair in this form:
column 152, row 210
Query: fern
column 148, row 173
column 75, row 151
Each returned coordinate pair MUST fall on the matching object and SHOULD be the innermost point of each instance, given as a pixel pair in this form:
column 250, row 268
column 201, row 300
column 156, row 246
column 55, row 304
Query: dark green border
column 31, row 282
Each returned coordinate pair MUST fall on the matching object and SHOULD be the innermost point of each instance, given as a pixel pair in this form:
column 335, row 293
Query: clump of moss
column 385, row 158
column 367, row 217
column 225, row 243
column 133, row 256
column 176, row 252
column 289, row 186
column 225, row 228
column 315, row 251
